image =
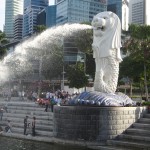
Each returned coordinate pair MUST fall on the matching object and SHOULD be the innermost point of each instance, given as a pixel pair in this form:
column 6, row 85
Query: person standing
column 1, row 113
column 25, row 124
column 5, row 108
column 33, row 126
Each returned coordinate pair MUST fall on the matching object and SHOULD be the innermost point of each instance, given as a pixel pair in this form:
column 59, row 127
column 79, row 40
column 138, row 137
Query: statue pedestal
column 93, row 124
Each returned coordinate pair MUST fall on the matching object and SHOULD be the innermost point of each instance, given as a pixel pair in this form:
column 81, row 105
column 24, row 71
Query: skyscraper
column 18, row 27
column 31, row 10
column 12, row 8
column 139, row 12
column 47, row 16
column 121, row 9
column 76, row 11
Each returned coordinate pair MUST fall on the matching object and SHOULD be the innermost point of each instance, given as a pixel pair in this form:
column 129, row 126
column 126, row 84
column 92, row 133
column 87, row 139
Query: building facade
column 47, row 16
column 139, row 12
column 18, row 22
column 12, row 8
column 76, row 11
column 31, row 10
column 121, row 9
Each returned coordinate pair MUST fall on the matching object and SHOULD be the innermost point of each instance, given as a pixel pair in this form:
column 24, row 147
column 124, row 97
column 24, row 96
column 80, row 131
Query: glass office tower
column 18, row 27
column 121, row 9
column 116, row 7
column 31, row 10
column 12, row 8
column 139, row 12
column 76, row 11
column 47, row 16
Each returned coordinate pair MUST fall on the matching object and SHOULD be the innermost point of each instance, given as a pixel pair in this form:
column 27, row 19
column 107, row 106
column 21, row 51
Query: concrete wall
column 93, row 124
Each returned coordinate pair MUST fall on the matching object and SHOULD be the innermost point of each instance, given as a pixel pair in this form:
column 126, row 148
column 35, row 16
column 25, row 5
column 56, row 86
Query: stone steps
column 26, row 108
column 25, row 104
column 20, row 125
column 21, row 120
column 107, row 148
column 28, row 112
column 141, row 125
column 16, row 114
column 43, row 117
column 146, row 116
column 136, row 131
column 136, row 137
column 144, row 120
column 128, row 144
column 29, row 131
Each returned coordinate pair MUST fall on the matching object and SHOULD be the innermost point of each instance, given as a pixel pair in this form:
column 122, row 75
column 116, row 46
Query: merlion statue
column 106, row 51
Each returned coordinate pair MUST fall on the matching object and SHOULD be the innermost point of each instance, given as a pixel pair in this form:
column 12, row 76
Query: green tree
column 40, row 28
column 138, row 46
column 53, row 64
column 3, row 41
column 133, row 73
column 84, row 41
column 76, row 76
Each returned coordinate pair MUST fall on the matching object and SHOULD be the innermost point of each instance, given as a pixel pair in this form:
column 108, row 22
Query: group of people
column 57, row 98
column 28, row 125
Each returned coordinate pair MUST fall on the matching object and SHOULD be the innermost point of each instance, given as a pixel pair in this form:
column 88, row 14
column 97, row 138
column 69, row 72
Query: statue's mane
column 112, row 37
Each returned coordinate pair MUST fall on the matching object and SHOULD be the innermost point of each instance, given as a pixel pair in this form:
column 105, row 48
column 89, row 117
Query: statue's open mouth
column 100, row 28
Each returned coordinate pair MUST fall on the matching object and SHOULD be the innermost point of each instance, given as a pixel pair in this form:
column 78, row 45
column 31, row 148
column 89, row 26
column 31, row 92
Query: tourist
column 25, row 124
column 52, row 103
column 48, row 95
column 1, row 113
column 8, row 128
column 5, row 108
column 34, row 96
column 46, row 104
column 58, row 100
column 33, row 126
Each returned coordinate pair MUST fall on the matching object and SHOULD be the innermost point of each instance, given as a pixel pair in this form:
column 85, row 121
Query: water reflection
column 17, row 144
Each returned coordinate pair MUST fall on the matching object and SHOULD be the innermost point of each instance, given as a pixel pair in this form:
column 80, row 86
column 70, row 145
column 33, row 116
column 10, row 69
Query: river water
column 18, row 144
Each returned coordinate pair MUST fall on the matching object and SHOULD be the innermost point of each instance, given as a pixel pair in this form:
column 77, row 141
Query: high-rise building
column 76, row 11
column 139, row 12
column 31, row 10
column 121, row 9
column 12, row 8
column 57, row 1
column 47, row 16
column 18, row 27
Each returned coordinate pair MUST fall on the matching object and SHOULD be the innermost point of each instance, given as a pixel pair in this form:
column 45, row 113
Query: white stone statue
column 106, row 51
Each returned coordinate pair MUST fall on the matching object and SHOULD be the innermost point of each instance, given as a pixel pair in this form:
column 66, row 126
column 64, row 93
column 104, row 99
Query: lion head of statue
column 106, row 34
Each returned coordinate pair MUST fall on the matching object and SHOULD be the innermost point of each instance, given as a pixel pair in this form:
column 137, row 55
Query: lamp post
column 63, row 78
column 40, row 71
column 83, row 59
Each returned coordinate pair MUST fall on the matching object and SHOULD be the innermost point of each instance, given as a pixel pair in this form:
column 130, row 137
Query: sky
column 2, row 12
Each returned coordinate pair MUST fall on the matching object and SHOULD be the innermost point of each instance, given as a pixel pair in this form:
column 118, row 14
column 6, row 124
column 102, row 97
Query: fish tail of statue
column 106, row 75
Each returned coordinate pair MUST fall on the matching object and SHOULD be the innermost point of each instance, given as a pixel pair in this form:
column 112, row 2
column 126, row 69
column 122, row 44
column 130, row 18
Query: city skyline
column 2, row 12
